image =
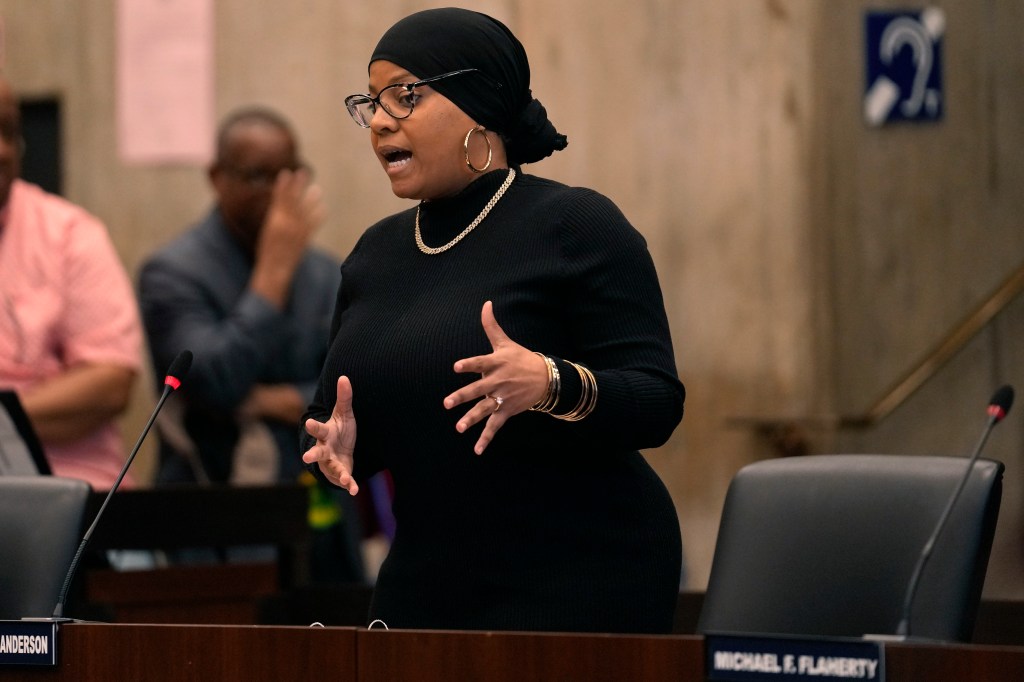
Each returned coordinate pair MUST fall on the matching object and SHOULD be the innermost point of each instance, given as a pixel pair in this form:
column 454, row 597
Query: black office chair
column 40, row 529
column 825, row 545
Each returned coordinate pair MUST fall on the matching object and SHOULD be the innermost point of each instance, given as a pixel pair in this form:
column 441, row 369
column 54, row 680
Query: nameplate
column 756, row 657
column 27, row 642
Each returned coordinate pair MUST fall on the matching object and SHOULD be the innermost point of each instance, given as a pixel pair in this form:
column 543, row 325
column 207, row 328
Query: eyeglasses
column 262, row 178
column 398, row 99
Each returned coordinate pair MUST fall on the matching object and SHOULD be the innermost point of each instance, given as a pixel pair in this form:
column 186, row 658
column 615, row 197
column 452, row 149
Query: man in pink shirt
column 70, row 336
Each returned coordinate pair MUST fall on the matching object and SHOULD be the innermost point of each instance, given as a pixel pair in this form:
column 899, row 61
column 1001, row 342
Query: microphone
column 998, row 407
column 175, row 373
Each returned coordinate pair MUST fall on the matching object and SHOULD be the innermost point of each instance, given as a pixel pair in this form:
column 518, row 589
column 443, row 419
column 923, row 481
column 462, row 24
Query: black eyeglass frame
column 354, row 100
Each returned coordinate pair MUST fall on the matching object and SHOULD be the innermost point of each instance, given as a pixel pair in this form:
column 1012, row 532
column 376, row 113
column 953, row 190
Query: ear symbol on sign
column 910, row 32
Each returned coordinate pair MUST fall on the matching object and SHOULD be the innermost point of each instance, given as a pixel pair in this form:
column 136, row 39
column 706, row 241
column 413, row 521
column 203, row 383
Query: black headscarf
column 437, row 41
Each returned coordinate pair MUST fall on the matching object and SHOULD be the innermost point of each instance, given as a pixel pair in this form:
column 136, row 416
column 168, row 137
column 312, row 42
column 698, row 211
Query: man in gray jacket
column 246, row 292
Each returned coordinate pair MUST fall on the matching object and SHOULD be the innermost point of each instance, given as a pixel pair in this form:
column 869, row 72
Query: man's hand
column 296, row 211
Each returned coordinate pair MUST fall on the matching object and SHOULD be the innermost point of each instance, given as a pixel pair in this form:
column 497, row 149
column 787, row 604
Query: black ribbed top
column 557, row 526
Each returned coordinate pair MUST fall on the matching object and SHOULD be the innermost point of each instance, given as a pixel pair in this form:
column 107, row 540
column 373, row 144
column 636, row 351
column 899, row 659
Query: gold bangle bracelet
column 551, row 396
column 588, row 396
column 555, row 386
column 547, row 393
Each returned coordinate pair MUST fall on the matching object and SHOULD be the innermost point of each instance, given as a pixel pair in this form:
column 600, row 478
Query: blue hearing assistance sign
column 903, row 60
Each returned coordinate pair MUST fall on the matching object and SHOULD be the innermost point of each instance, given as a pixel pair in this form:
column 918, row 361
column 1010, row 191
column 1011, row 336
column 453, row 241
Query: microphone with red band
column 175, row 381
column 998, row 407
column 175, row 373
column 1000, row 404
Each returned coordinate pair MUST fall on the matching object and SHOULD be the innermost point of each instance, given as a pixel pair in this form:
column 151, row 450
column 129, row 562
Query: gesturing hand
column 335, row 441
column 512, row 380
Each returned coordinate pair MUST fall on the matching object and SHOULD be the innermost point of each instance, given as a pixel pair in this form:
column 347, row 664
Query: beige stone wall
column 922, row 223
column 807, row 261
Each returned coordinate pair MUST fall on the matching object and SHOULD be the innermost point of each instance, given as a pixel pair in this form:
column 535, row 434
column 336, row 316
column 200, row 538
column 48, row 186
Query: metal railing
column 788, row 435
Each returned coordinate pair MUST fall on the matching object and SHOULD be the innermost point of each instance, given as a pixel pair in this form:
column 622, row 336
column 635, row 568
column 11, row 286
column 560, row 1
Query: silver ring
column 498, row 400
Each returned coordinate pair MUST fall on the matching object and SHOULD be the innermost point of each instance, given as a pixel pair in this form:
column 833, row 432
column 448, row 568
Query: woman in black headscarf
column 520, row 498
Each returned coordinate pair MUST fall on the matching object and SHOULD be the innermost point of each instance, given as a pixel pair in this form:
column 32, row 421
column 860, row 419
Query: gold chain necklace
column 431, row 251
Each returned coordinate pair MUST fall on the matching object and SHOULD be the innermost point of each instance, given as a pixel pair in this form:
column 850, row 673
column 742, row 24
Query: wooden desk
column 953, row 662
column 93, row 651
column 387, row 656
column 154, row 653
column 193, row 516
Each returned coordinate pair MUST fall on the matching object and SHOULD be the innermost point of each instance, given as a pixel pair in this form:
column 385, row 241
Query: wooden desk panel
column 425, row 656
column 196, row 653
column 215, row 594
column 176, row 653
column 953, row 662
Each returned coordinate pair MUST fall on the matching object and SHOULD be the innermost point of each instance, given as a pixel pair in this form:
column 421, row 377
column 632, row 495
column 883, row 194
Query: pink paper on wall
column 165, row 72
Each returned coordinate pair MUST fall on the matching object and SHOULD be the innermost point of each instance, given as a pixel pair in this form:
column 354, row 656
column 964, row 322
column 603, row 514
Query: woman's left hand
column 512, row 380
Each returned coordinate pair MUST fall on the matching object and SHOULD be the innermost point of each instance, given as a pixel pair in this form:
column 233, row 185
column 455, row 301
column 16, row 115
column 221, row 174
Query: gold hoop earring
column 465, row 146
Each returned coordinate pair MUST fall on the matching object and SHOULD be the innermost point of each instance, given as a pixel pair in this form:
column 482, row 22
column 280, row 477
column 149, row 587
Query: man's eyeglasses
column 398, row 99
column 261, row 178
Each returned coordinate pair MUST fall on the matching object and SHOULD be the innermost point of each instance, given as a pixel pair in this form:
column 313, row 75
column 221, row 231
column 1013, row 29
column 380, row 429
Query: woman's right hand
column 335, row 441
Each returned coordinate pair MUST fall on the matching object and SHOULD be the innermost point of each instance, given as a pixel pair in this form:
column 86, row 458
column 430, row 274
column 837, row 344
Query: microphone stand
column 998, row 407
column 177, row 370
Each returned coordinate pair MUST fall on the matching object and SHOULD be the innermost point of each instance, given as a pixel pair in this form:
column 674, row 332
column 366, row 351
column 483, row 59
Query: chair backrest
column 825, row 545
column 40, row 528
